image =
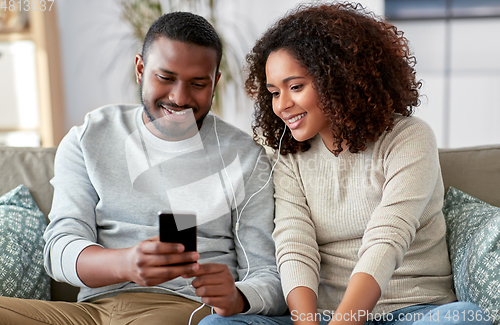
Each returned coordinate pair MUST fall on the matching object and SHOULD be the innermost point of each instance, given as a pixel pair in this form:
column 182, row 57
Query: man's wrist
column 246, row 304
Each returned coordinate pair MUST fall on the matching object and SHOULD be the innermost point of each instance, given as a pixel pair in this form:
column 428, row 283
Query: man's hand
column 148, row 263
column 215, row 285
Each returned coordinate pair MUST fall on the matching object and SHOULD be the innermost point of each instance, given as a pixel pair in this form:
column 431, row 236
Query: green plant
column 140, row 14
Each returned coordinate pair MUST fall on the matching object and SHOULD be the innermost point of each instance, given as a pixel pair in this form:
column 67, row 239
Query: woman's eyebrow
column 292, row 78
column 286, row 80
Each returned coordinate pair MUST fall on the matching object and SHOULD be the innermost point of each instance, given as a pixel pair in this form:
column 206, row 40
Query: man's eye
column 164, row 77
column 199, row 85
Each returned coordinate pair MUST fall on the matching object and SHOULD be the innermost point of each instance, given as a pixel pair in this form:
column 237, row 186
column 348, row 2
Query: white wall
column 98, row 52
column 98, row 55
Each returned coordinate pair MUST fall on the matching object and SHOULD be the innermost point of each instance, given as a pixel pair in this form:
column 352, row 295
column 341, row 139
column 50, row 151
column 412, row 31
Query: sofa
column 475, row 171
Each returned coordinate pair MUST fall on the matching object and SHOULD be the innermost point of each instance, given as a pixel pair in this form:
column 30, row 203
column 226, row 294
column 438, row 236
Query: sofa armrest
column 33, row 167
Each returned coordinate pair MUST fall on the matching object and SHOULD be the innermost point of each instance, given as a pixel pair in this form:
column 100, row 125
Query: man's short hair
column 184, row 27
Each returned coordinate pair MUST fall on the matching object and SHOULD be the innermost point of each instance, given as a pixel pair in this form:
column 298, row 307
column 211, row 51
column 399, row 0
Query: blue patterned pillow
column 473, row 234
column 22, row 274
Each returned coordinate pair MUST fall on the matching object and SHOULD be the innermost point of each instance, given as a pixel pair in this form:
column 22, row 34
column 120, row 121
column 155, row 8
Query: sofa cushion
column 22, row 274
column 473, row 236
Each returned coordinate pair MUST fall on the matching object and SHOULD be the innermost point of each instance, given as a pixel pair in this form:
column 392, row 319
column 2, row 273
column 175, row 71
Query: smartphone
column 178, row 228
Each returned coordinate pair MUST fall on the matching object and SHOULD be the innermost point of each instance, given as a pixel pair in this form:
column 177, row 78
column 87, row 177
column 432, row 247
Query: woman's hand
column 302, row 303
column 361, row 295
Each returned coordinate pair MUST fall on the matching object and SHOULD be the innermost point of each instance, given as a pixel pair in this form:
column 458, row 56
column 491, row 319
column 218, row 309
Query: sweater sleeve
column 72, row 218
column 297, row 251
column 261, row 285
column 410, row 162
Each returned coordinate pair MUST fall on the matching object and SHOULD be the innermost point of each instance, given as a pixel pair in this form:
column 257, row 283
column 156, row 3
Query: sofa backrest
column 474, row 170
column 33, row 167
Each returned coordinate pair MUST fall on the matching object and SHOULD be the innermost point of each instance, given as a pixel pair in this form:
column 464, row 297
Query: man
column 124, row 164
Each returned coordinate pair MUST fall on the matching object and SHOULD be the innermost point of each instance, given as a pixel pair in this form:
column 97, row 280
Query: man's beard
column 171, row 130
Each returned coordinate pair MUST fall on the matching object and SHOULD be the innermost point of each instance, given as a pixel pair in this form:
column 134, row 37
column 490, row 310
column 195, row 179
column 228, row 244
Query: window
column 457, row 48
column 439, row 9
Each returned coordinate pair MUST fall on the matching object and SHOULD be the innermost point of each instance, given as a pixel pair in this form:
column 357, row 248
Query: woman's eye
column 296, row 87
column 275, row 94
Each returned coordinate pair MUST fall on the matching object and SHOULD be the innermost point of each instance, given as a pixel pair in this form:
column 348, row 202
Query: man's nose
column 179, row 94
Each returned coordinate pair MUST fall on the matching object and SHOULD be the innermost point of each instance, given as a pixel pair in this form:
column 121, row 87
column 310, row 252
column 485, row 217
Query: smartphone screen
column 178, row 228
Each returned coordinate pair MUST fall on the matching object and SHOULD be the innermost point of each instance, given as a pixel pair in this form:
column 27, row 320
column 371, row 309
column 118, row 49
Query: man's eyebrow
column 286, row 80
column 167, row 71
column 173, row 73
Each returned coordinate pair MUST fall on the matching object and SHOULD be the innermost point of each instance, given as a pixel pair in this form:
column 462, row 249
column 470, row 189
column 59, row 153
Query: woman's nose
column 284, row 101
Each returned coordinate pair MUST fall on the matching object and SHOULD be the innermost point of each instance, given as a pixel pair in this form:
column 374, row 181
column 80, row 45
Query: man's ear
column 139, row 68
column 217, row 78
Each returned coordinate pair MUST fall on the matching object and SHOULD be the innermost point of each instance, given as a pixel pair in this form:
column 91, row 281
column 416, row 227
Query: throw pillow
column 22, row 274
column 473, row 234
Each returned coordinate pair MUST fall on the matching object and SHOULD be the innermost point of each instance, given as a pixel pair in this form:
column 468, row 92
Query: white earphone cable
column 192, row 314
column 238, row 213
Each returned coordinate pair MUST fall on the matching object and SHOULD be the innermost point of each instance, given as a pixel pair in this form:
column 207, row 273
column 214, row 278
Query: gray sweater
column 112, row 176
column 377, row 211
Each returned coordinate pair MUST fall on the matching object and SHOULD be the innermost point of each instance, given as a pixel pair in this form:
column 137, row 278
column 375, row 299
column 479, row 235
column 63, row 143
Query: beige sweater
column 377, row 211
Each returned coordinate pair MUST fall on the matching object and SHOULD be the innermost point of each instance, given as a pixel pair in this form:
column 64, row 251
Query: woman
column 359, row 230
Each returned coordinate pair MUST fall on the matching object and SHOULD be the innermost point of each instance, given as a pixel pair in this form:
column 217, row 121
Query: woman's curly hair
column 361, row 66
